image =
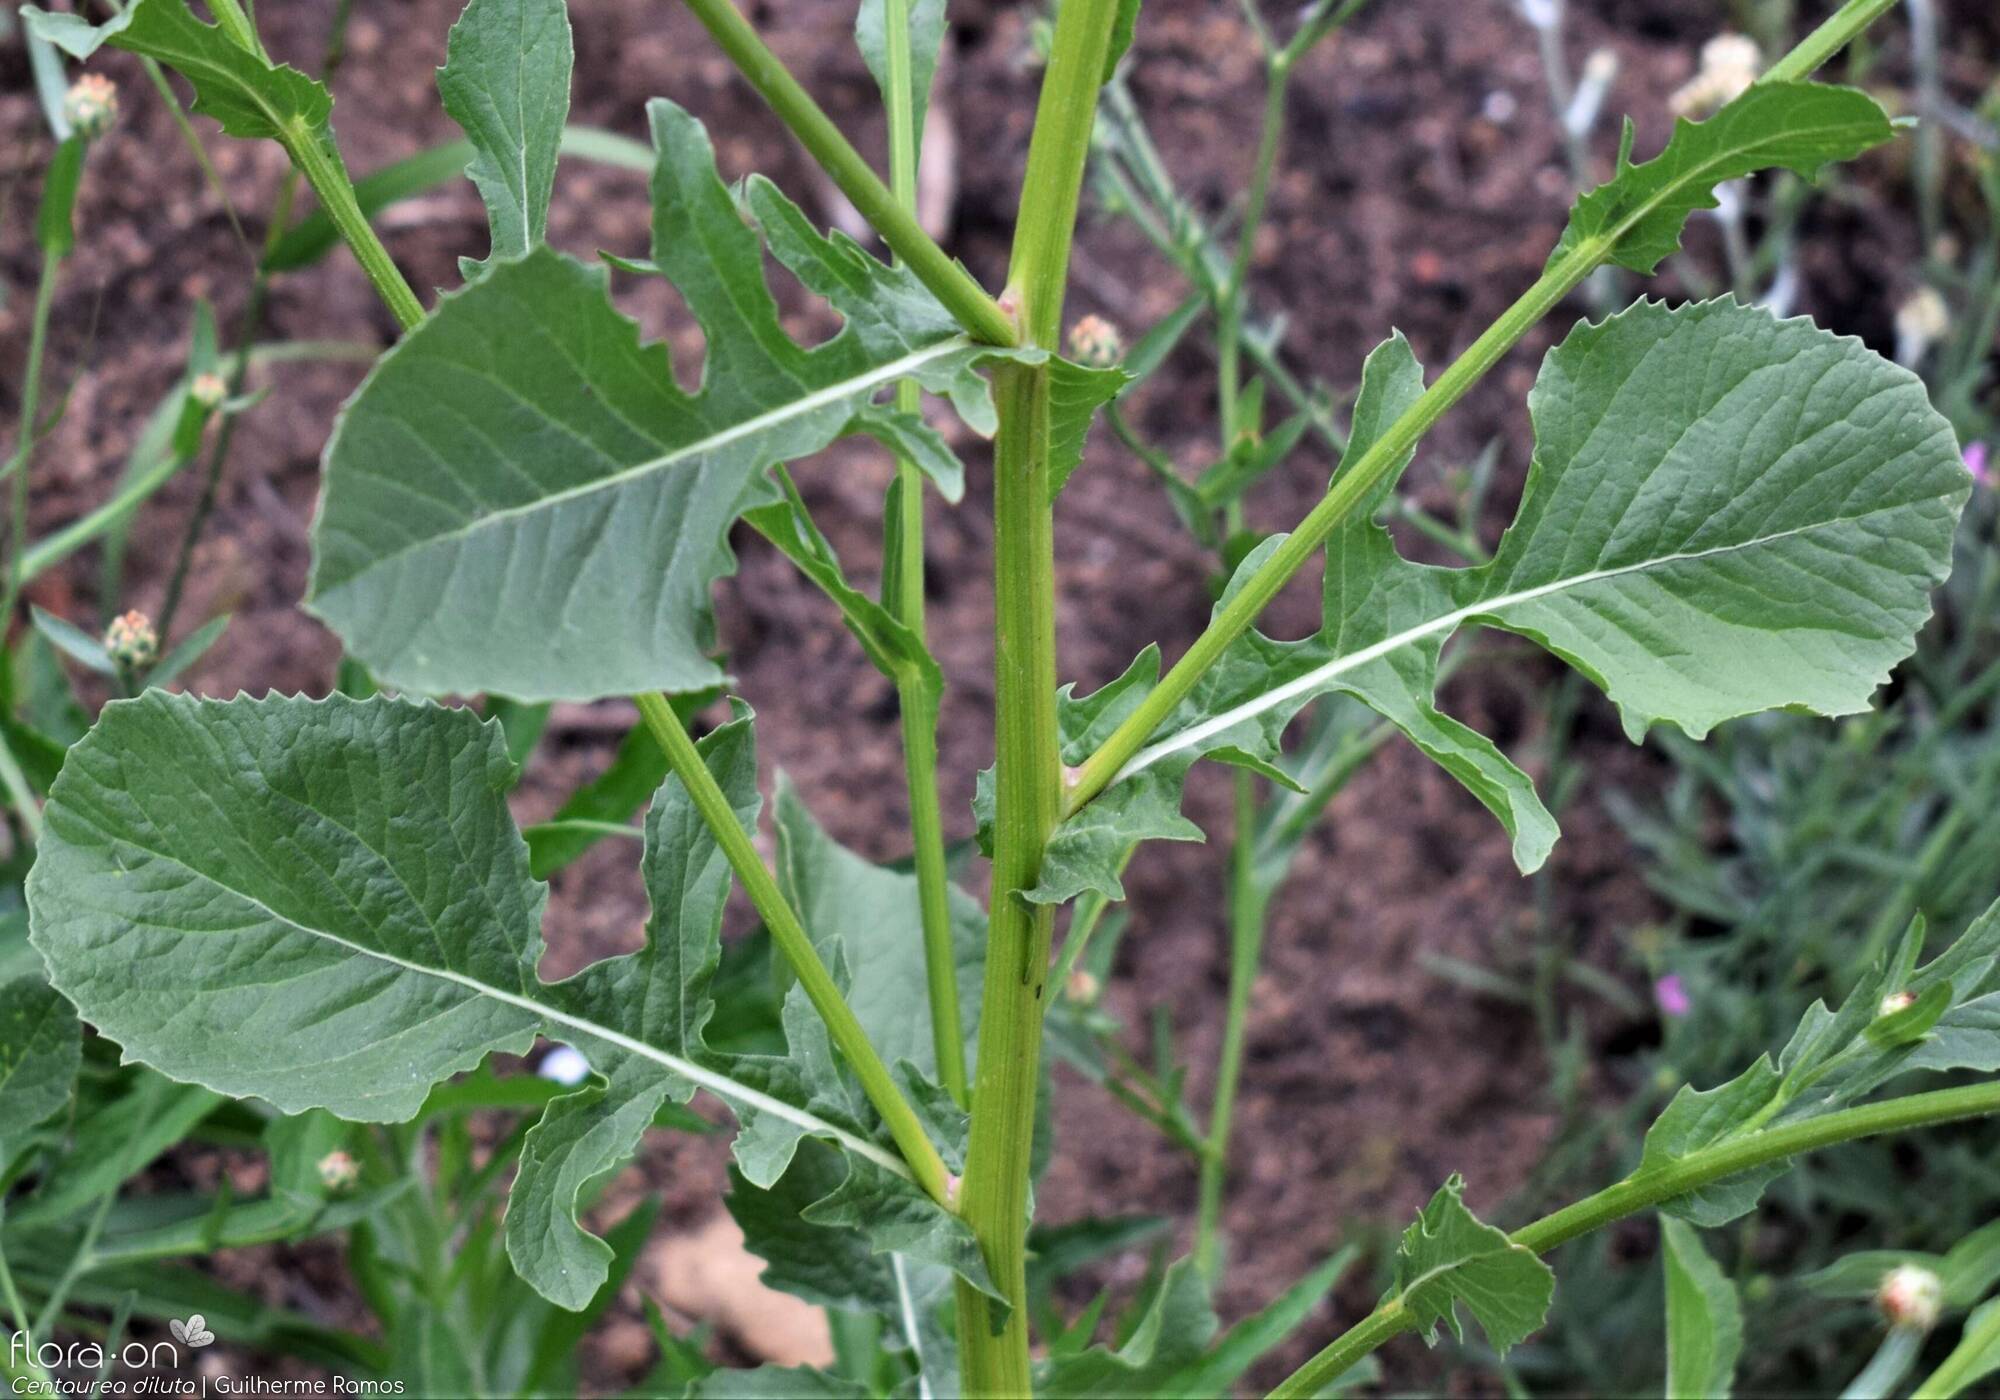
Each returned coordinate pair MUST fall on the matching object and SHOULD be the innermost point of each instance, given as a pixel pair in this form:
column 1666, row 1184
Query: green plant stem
column 905, row 602
column 1247, row 909
column 791, row 939
column 994, row 1357
column 963, row 297
column 253, row 319
column 1830, row 38
column 1229, row 302
column 225, row 433
column 322, row 170
column 1028, row 790
column 24, row 441
column 1648, row 1188
column 1355, row 483
column 1969, row 1360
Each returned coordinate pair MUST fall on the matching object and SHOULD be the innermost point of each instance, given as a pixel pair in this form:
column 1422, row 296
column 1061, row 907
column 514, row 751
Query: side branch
column 1644, row 1189
column 791, row 939
column 979, row 313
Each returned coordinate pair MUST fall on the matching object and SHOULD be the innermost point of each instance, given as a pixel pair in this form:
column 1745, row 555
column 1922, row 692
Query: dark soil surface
column 1423, row 183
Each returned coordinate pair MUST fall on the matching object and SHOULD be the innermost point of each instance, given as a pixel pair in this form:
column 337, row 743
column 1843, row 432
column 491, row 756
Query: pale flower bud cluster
column 1095, row 342
column 131, row 641
column 1729, row 65
column 1896, row 1001
column 338, row 1171
column 1910, row 1296
column 208, row 391
column 1921, row 321
column 91, row 106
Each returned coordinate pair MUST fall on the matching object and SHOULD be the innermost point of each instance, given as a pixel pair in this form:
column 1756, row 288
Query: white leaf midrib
column 1446, row 623
column 714, row 1081
column 826, row 397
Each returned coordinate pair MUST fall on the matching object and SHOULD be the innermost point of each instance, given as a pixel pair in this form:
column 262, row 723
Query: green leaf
column 72, row 641
column 776, row 1383
column 55, row 225
column 870, row 918
column 1836, row 1058
column 1696, row 1119
column 636, row 770
column 1704, row 1318
column 325, row 904
column 247, row 93
column 1726, row 513
column 521, row 500
column 1449, row 1256
column 1791, row 126
column 1169, row 1338
column 894, row 649
column 1076, row 392
column 1123, row 30
column 1977, row 1354
column 41, row 1049
column 1256, row 1336
column 666, row 983
column 505, row 81
column 927, row 26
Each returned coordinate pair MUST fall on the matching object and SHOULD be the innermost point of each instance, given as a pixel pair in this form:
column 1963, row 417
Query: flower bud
column 1095, row 342
column 338, row 1171
column 131, row 640
column 1921, row 322
column 91, row 105
column 1084, row 988
column 208, row 390
column 1910, row 1296
column 1729, row 64
column 1896, row 1001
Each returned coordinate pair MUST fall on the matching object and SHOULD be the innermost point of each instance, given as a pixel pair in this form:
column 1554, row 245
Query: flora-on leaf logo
column 192, row 1333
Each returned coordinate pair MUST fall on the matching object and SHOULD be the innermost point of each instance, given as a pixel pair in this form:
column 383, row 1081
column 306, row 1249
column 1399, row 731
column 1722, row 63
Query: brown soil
column 1402, row 202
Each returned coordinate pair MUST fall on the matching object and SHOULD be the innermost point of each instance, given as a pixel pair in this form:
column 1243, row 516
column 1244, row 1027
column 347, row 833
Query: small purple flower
column 1671, row 995
column 1979, row 463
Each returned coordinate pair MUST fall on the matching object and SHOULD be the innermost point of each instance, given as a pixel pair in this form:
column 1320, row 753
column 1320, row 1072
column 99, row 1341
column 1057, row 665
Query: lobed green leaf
column 1726, row 513
column 1449, row 1256
column 325, row 904
column 521, row 500
column 1792, row 126
column 506, row 83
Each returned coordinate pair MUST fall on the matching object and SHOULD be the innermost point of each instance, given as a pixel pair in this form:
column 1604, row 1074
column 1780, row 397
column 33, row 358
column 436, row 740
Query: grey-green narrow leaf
column 1793, row 126
column 1726, row 513
column 1449, row 1256
column 520, row 500
column 506, row 83
column 1704, row 1317
column 926, row 39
